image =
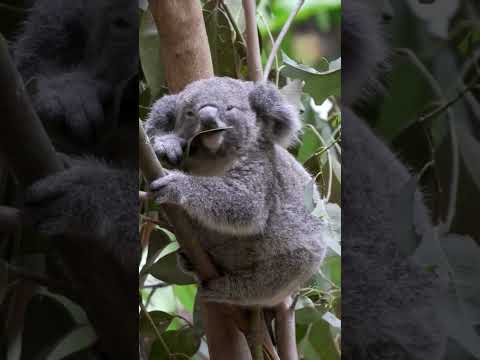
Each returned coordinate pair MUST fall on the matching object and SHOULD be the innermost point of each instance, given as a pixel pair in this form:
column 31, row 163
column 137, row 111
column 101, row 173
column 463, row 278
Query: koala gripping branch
column 186, row 56
column 20, row 125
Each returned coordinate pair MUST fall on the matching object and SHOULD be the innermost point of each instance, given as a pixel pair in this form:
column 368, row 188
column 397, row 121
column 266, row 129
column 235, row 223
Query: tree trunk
column 186, row 56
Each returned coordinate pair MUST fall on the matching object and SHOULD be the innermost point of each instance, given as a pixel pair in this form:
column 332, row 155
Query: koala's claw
column 70, row 102
column 166, row 189
column 170, row 148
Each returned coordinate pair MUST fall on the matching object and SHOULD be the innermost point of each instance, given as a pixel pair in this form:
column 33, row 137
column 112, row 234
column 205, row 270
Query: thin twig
column 270, row 35
column 452, row 205
column 31, row 276
column 450, row 103
column 230, row 17
column 155, row 329
column 280, row 38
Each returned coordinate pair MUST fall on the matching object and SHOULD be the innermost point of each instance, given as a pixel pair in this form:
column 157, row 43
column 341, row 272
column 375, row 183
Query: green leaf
column 311, row 143
column 159, row 238
column 182, row 344
column 463, row 254
column 405, row 104
column 75, row 311
column 166, row 269
column 226, row 46
column 186, row 295
column 403, row 210
column 319, row 84
column 161, row 320
column 307, row 315
column 320, row 343
column 78, row 339
column 469, row 148
column 331, row 214
column 459, row 327
column 332, row 320
column 331, row 269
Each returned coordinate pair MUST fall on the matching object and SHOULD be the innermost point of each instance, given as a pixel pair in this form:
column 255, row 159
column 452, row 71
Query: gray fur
column 363, row 49
column 249, row 210
column 388, row 301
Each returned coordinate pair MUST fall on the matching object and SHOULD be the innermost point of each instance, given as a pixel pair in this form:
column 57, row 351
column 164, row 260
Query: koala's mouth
column 211, row 140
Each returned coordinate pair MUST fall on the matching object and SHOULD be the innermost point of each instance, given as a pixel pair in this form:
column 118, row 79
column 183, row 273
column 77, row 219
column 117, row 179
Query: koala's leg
column 266, row 284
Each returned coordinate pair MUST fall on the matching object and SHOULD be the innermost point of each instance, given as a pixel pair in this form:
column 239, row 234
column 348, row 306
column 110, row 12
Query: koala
column 240, row 188
column 388, row 300
column 73, row 96
column 79, row 61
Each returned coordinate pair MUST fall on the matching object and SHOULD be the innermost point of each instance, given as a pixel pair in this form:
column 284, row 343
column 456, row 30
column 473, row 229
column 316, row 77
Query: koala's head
column 252, row 115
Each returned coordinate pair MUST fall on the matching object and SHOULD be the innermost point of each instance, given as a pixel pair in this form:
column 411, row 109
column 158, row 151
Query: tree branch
column 23, row 140
column 185, row 52
column 253, row 43
column 186, row 56
column 281, row 36
column 9, row 219
column 285, row 330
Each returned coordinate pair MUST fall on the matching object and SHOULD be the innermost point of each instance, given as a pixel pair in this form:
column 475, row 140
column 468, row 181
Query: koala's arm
column 233, row 204
column 92, row 200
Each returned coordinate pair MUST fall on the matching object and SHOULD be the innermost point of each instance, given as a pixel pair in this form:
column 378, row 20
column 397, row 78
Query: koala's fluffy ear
column 280, row 120
column 162, row 116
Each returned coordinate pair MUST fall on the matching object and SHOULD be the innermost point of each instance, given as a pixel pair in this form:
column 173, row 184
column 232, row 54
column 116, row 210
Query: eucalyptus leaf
column 166, row 269
column 78, row 339
column 197, row 137
column 182, row 344
column 463, row 254
column 161, row 320
column 159, row 239
column 226, row 46
column 401, row 109
column 322, row 341
column 319, row 84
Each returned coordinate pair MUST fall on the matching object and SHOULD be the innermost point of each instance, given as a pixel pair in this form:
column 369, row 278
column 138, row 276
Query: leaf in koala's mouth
column 193, row 141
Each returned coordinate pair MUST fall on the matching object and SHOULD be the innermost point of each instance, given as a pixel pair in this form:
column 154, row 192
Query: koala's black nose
column 208, row 117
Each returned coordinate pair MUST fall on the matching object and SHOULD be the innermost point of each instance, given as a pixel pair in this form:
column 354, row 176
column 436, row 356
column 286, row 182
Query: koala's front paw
column 168, row 189
column 169, row 148
column 70, row 103
column 68, row 203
